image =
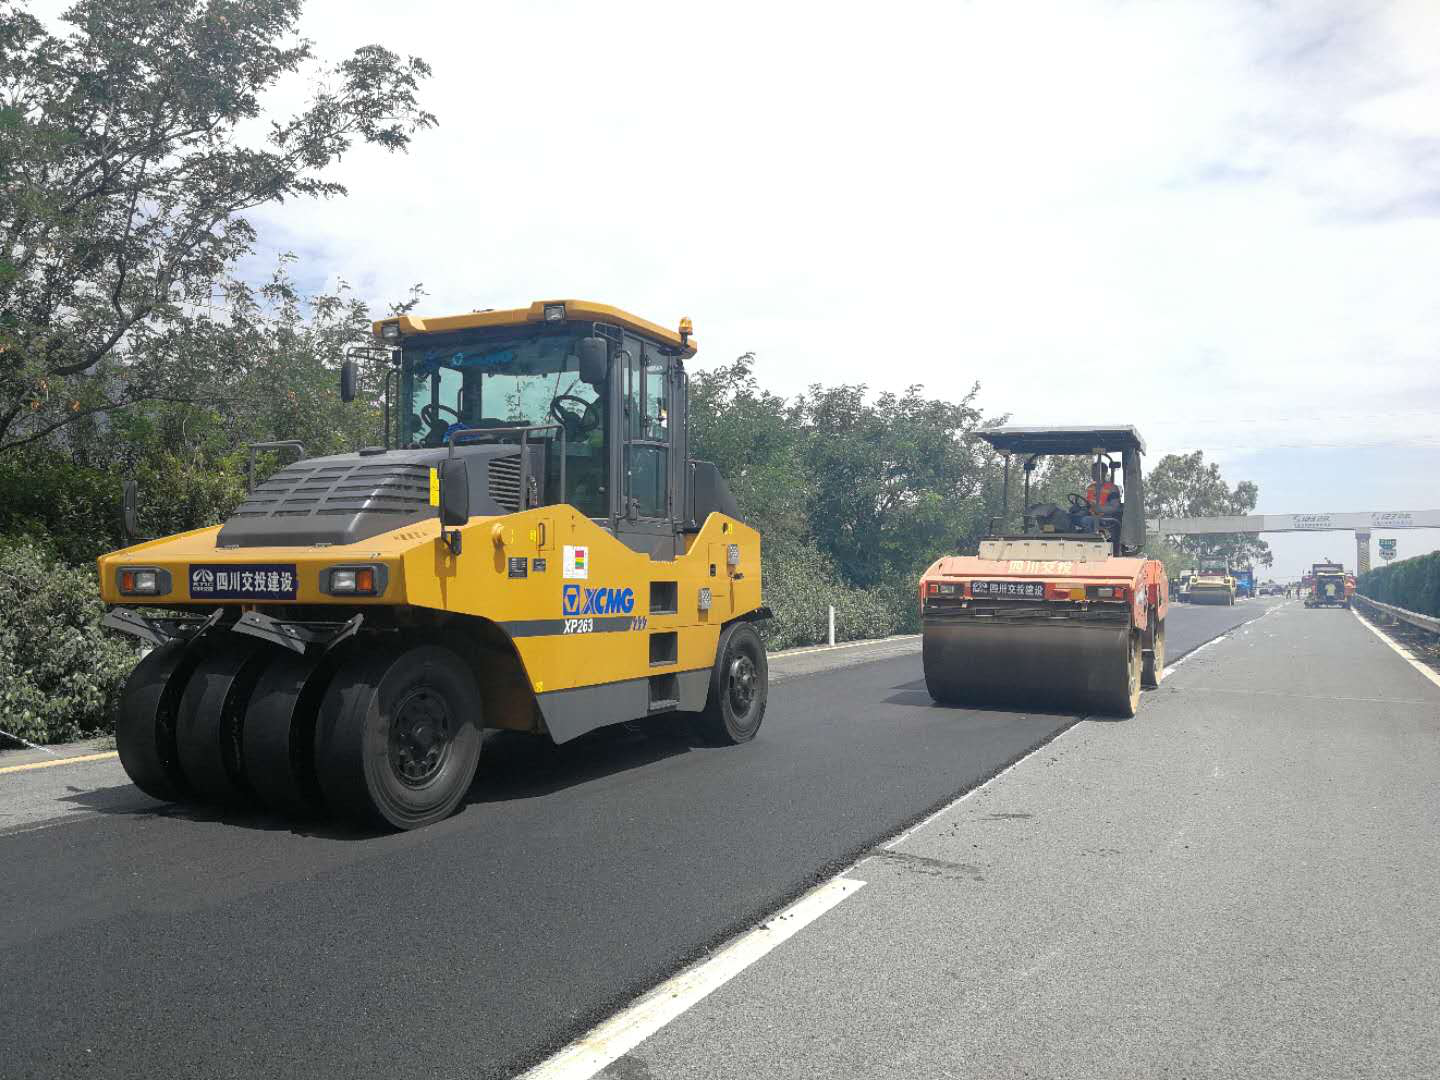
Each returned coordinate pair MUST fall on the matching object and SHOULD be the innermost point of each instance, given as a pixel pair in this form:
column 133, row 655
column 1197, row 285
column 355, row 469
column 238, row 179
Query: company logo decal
column 577, row 600
column 232, row 582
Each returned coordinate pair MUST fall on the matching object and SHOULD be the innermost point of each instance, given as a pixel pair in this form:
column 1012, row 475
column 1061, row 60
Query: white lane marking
column 25, row 742
column 920, row 824
column 53, row 823
column 1404, row 653
column 1216, row 640
column 628, row 1029
column 892, row 844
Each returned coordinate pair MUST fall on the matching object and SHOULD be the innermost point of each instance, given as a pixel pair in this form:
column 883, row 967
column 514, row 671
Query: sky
column 1217, row 221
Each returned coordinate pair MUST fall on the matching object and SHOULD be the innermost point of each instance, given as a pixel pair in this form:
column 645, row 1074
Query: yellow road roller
column 532, row 549
column 1213, row 583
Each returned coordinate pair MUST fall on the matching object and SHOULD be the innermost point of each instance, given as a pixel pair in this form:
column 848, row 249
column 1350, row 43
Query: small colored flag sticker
column 577, row 561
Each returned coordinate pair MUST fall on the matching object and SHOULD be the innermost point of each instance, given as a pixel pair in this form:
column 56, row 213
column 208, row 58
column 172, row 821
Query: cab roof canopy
column 1063, row 440
column 541, row 311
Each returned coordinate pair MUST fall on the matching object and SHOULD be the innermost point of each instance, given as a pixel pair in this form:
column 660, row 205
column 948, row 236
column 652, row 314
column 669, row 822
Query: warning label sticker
column 577, row 561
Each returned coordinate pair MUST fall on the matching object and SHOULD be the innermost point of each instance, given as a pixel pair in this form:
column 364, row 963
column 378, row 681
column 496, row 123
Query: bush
column 801, row 584
column 1413, row 584
column 60, row 674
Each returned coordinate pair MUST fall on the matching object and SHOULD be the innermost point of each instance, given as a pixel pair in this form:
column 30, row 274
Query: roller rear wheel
column 932, row 658
column 398, row 735
column 211, row 720
column 1119, row 689
column 278, row 738
column 1154, row 658
column 145, row 724
column 739, row 688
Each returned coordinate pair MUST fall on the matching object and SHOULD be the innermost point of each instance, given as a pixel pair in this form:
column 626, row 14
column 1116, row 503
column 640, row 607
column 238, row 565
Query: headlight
column 554, row 312
column 390, row 331
column 143, row 581
column 353, row 581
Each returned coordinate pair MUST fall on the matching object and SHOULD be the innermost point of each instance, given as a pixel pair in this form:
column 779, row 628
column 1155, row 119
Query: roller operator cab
column 533, row 550
column 1064, row 611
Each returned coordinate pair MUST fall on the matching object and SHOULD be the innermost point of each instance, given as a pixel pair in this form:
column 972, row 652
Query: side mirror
column 594, row 360
column 454, row 493
column 347, row 381
column 129, row 518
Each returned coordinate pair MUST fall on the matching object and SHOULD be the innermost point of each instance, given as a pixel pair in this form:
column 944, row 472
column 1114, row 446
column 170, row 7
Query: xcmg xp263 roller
column 534, row 550
column 1066, row 611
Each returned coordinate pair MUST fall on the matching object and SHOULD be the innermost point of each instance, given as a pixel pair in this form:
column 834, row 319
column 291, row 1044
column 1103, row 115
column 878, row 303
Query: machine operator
column 1102, row 498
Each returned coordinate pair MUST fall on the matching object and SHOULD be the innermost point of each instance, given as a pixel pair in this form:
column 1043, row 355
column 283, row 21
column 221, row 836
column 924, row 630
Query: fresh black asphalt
column 149, row 940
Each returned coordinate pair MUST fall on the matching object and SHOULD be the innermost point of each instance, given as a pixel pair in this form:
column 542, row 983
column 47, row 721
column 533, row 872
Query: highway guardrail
column 1413, row 618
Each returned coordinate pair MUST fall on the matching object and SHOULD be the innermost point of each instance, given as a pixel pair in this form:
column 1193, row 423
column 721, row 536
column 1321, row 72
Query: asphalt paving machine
column 1065, row 611
column 534, row 550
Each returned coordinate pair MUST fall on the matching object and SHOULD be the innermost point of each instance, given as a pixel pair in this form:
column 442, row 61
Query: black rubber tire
column 1153, row 659
column 942, row 690
column 1119, row 692
column 278, row 738
column 208, row 729
column 145, row 722
column 739, row 688
column 358, row 734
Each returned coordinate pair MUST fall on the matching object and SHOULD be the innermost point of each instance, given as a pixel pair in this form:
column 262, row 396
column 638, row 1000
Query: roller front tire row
column 382, row 734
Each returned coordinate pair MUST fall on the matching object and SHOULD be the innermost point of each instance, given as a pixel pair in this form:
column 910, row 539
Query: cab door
column 647, row 518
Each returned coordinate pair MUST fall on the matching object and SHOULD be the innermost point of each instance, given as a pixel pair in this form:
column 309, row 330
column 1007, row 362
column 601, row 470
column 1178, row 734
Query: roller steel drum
column 1086, row 664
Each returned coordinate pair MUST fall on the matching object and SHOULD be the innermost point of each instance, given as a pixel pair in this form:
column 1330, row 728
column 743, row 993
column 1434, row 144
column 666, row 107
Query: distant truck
column 1244, row 582
column 1328, row 586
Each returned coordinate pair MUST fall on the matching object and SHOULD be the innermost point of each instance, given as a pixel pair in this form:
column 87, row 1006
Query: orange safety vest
column 1109, row 494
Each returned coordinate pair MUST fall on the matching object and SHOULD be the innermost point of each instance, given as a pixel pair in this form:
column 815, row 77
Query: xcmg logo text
column 578, row 600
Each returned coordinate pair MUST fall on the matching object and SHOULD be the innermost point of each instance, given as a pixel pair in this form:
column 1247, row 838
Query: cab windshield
column 490, row 379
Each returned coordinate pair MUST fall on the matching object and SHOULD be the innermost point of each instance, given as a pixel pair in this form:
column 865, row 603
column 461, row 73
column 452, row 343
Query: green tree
column 752, row 437
column 1185, row 485
column 126, row 172
column 893, row 481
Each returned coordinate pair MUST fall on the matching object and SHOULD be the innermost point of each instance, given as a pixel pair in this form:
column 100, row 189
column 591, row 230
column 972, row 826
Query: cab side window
column 648, row 427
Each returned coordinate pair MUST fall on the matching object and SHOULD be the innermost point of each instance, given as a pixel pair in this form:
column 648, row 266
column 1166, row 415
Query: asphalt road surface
column 139, row 939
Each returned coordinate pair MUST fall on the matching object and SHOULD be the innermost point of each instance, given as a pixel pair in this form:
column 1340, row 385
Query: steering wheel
column 575, row 426
column 430, row 414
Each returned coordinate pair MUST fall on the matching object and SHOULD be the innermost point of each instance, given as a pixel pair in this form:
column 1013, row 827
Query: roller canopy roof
column 1063, row 440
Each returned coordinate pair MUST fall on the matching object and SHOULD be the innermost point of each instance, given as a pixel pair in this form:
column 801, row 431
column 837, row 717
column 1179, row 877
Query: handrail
column 1414, row 618
column 524, row 430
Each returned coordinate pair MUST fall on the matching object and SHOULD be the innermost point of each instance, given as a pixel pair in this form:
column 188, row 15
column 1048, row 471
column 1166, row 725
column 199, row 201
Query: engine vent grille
column 504, row 480
column 301, row 490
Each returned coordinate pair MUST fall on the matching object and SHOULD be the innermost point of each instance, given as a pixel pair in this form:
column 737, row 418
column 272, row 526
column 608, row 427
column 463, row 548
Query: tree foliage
column 126, row 169
column 60, row 674
column 1185, row 485
column 1412, row 584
